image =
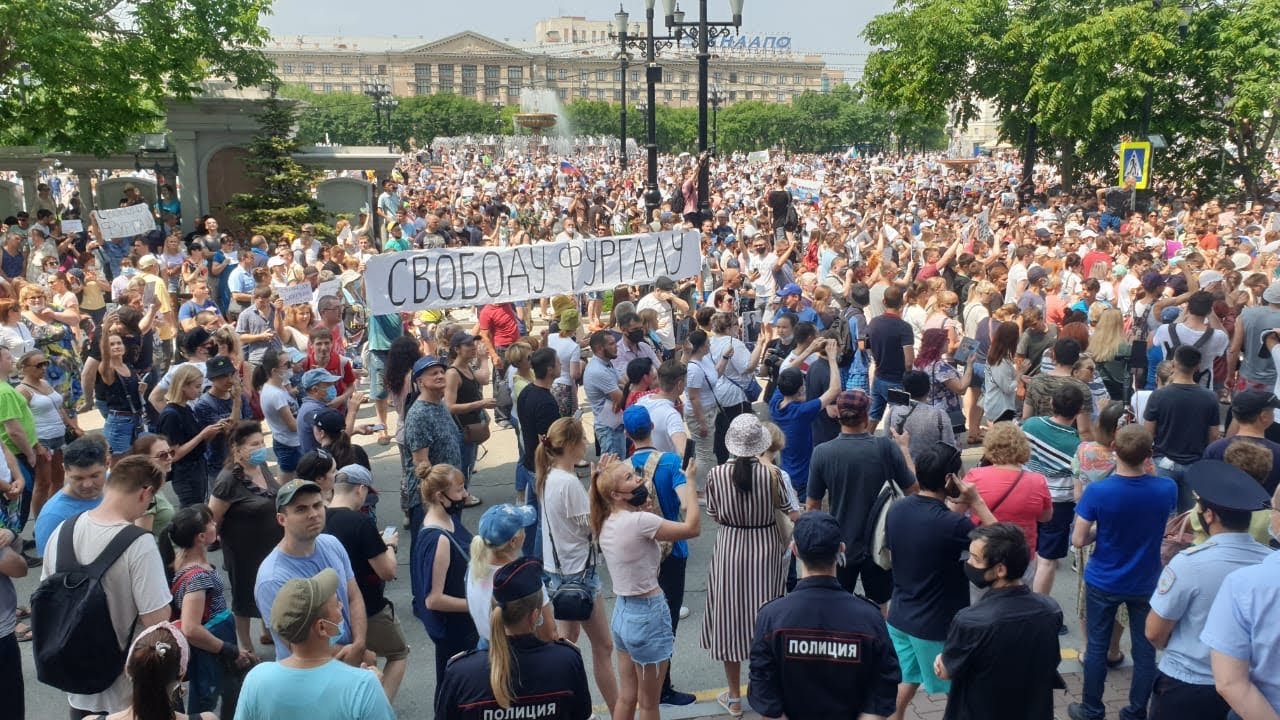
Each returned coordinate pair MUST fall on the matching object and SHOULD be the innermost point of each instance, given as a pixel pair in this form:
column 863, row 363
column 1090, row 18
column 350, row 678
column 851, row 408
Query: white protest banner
column 324, row 289
column 458, row 277
column 805, row 190
column 72, row 226
column 125, row 222
column 295, row 294
column 758, row 156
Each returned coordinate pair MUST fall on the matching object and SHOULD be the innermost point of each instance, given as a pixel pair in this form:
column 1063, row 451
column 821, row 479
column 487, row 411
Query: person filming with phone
column 910, row 412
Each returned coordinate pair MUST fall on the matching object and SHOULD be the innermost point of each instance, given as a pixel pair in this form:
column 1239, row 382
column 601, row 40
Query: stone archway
column 224, row 178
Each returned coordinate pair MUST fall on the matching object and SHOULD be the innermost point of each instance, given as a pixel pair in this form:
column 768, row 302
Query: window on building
column 666, row 94
column 326, row 69
column 717, row 78
column 286, row 69
column 617, row 76
column 782, row 97
column 382, row 69
column 684, row 94
column 733, row 77
column 563, row 94
column 782, row 79
column 346, row 68
column 747, row 95
column 600, row 93
column 635, row 76
column 551, row 74
column 515, row 78
column 346, row 88
column 684, row 78
column 421, row 78
column 766, row 79
column 328, row 87
column 751, row 79
column 446, row 77
column 469, row 80
column 492, row 79
column 733, row 95
column 798, row 80
column 564, row 74
column 308, row 68
column 617, row 95
column 635, row 94
column 368, row 69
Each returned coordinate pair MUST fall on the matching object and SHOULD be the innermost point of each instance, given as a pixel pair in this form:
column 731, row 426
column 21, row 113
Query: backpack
column 677, row 201
column 647, row 473
column 1175, row 342
column 75, row 642
column 847, row 332
column 873, row 534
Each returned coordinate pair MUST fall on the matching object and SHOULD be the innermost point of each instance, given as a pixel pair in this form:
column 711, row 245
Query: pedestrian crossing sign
column 1135, row 162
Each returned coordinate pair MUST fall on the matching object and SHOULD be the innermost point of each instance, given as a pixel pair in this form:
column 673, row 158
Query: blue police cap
column 817, row 535
column 517, row 579
column 1226, row 486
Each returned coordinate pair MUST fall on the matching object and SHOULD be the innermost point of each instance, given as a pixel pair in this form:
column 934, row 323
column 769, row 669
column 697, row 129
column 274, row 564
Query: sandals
column 384, row 439
column 472, row 501
column 729, row 704
column 1116, row 662
column 23, row 632
column 23, row 612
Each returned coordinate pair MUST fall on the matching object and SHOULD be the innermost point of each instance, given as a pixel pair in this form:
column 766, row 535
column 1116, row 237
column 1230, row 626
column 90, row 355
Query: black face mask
column 1204, row 523
column 639, row 496
column 636, row 336
column 978, row 576
column 454, row 507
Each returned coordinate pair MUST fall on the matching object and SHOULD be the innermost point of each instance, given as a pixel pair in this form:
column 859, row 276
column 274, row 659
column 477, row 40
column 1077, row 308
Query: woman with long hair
column 179, row 426
column 318, row 467
column 642, row 377
column 464, row 396
column 943, row 314
column 700, row 408
column 629, row 540
column 156, row 665
column 567, row 541
column 13, row 332
column 160, row 512
column 1000, row 387
column 499, row 540
column 438, row 565
column 52, row 423
column 117, row 388
column 1110, row 349
column 520, row 374
column 979, row 324
column 739, row 372
column 279, row 409
column 946, row 384
column 330, row 432
column 748, row 567
column 53, row 330
column 299, row 320
column 201, row 601
column 244, row 508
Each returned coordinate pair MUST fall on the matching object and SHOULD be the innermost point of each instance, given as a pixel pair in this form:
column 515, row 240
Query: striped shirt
column 1052, row 448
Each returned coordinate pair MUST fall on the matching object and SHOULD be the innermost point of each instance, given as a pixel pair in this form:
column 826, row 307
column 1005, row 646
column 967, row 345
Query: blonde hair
column 500, row 618
column 482, row 554
column 562, row 434
column 1005, row 444
column 1109, row 336
column 603, row 482
column 433, row 479
column 182, row 376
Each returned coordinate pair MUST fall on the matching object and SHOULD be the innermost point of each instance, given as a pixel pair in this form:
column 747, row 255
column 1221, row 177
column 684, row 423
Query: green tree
column 282, row 199
column 93, row 74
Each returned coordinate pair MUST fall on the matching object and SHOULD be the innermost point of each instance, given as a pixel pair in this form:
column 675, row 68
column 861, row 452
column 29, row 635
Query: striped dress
column 748, row 568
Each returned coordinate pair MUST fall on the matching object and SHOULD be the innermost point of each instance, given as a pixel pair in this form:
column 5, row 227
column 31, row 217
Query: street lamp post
column 650, row 44
column 703, row 31
column 717, row 97
column 620, row 33
column 380, row 92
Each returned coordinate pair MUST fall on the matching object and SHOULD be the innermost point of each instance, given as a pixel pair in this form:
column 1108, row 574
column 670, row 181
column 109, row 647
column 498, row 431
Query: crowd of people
column 812, row 389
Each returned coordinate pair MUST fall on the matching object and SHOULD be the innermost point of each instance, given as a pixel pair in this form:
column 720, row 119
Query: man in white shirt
column 570, row 231
column 1192, row 331
column 664, row 301
column 669, row 433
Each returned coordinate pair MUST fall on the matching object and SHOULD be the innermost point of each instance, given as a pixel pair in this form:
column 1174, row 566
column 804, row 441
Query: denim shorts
column 641, row 628
column 375, row 362
column 553, row 581
column 287, row 456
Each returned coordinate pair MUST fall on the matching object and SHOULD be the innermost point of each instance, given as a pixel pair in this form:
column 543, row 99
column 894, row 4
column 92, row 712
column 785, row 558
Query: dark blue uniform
column 822, row 653
column 549, row 679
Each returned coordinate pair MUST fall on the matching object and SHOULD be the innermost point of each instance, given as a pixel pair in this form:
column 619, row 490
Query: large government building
column 572, row 56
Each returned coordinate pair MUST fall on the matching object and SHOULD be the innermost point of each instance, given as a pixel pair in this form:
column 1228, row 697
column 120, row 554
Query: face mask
column 636, row 336
column 331, row 394
column 786, row 339
column 342, row 629
column 454, row 507
column 951, row 311
column 1204, row 524
column 639, row 496
column 129, row 272
column 258, row 457
column 977, row 576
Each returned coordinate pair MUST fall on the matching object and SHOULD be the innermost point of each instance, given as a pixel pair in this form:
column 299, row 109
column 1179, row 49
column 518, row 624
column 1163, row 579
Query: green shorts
column 916, row 656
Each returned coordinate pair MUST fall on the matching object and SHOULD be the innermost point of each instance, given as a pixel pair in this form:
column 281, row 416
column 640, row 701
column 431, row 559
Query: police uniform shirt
column 822, row 653
column 549, row 679
column 1185, row 592
column 1242, row 623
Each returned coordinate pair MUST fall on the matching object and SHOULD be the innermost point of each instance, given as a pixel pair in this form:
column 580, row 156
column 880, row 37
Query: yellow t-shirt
column 165, row 330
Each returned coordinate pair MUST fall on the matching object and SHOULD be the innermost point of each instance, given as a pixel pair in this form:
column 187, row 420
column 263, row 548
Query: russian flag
column 569, row 168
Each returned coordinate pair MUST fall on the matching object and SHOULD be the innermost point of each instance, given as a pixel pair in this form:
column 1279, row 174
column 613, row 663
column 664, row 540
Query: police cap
column 1226, row 486
column 518, row 579
column 817, row 535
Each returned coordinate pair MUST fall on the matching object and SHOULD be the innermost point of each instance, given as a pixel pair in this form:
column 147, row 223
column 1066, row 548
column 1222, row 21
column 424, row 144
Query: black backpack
column 1175, row 342
column 677, row 201
column 75, row 643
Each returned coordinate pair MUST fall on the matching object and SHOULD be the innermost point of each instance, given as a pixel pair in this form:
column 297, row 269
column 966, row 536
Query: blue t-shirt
column 1131, row 513
column 189, row 309
column 307, row 410
column 278, row 568
column 333, row 691
column 60, row 507
column 804, row 314
column 666, row 478
column 796, row 423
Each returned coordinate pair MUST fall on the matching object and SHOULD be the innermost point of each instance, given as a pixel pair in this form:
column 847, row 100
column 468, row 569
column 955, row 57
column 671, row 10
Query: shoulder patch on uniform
column 1167, row 579
column 1197, row 548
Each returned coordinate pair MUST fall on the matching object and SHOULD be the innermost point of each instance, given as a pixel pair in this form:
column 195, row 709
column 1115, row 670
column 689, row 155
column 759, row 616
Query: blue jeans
column 533, row 534
column 880, row 395
column 1177, row 472
column 611, row 440
column 468, row 461
column 206, row 673
column 1107, row 221
column 121, row 429
column 1100, row 615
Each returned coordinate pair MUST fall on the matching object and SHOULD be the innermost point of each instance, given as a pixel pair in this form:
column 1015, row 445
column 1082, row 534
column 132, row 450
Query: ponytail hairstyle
column 500, row 618
column 156, row 663
column 562, row 434
column 271, row 360
column 187, row 523
column 604, row 478
column 637, row 370
column 434, row 479
column 742, row 473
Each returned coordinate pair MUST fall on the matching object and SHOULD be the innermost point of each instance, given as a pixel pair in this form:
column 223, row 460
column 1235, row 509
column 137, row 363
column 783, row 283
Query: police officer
column 1227, row 497
column 530, row 677
column 820, row 652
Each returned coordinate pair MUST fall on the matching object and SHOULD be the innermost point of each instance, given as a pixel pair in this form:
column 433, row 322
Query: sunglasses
column 163, row 455
column 42, row 364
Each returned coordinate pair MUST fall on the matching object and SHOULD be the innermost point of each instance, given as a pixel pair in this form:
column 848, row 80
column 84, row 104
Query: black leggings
column 726, row 416
column 671, row 580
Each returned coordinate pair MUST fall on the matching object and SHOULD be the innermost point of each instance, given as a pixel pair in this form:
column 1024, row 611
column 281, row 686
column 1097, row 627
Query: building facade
column 573, row 57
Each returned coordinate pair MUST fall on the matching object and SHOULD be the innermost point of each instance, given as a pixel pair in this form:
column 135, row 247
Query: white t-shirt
column 735, row 371
column 134, row 584
column 627, row 542
column 1210, row 351
column 666, row 318
column 569, row 351
column 167, row 380
column 1017, row 274
column 480, row 599
column 273, row 399
column 667, row 423
column 565, row 510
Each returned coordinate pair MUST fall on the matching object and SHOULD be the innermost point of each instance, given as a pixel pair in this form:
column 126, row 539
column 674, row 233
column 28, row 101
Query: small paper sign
column 72, row 226
column 295, row 294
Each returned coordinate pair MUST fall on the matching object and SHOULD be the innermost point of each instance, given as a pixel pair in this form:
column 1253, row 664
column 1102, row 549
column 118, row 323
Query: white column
column 189, row 185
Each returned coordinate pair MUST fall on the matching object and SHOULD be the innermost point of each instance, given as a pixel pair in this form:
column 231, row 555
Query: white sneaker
column 684, row 612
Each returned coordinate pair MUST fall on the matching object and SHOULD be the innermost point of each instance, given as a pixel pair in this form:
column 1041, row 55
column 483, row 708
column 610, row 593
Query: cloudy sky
column 829, row 27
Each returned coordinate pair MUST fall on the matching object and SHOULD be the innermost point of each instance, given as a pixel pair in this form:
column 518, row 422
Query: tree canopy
column 86, row 75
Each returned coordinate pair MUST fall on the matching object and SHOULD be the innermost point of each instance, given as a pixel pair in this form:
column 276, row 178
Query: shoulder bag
column 1008, row 492
column 574, row 599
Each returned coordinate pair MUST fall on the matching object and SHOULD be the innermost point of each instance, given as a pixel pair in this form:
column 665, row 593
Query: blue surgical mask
column 331, row 394
column 258, row 457
column 342, row 630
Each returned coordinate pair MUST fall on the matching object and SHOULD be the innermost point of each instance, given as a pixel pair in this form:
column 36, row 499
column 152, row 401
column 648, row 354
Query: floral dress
column 940, row 396
column 57, row 341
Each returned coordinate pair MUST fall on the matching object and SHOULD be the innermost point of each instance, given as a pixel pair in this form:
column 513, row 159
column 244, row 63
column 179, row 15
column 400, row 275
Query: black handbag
column 574, row 600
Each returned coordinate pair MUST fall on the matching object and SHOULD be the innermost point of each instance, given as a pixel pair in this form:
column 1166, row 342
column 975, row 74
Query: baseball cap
column 329, row 420
column 147, row 261
column 285, row 495
column 426, row 363
column 636, row 420
column 1036, row 274
column 315, row 376
column 788, row 290
column 1209, row 277
column 219, row 366
column 500, row 523
column 193, row 339
column 300, row 602
column 276, row 261
column 1226, row 486
column 1252, row 402
column 462, row 337
column 790, row 381
column 664, row 283
column 1272, row 293
column 517, row 579
column 853, row 404
column 1169, row 314
column 816, row 535
column 354, row 475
